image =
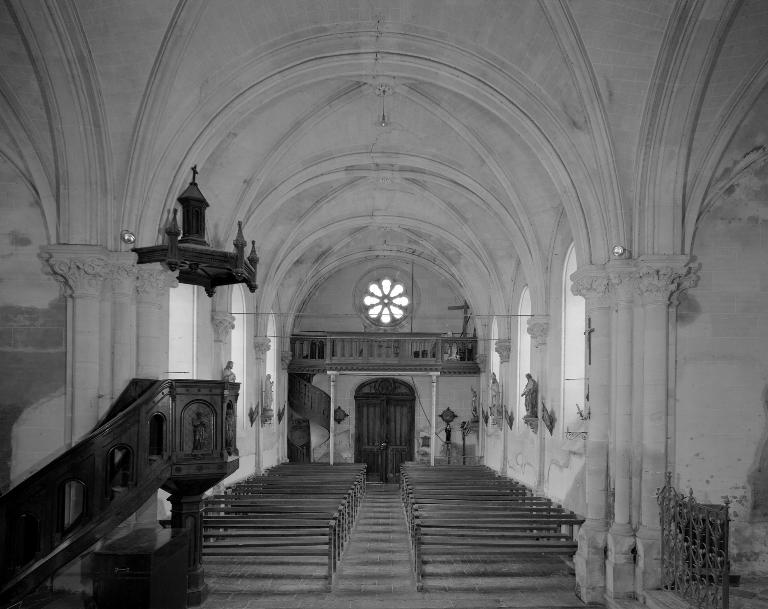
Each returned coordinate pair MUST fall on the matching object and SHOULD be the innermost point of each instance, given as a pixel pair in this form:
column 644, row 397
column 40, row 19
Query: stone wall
column 32, row 338
column 721, row 422
column 332, row 307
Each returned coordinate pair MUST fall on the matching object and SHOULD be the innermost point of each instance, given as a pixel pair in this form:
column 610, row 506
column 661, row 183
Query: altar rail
column 321, row 351
column 694, row 548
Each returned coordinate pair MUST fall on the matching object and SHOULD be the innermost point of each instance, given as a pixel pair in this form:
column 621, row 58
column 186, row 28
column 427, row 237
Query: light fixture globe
column 618, row 251
column 127, row 237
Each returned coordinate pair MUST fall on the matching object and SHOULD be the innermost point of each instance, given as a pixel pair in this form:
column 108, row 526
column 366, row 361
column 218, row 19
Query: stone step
column 488, row 583
column 497, row 568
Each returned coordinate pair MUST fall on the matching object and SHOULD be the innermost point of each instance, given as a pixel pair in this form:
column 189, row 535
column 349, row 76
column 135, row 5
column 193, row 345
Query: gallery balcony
column 318, row 352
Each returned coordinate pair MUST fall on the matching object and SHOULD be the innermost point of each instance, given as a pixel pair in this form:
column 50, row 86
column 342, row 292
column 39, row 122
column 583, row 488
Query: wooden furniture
column 469, row 515
column 168, row 434
column 295, row 510
column 145, row 569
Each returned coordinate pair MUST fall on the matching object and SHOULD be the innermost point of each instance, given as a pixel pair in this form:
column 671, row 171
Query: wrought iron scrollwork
column 694, row 546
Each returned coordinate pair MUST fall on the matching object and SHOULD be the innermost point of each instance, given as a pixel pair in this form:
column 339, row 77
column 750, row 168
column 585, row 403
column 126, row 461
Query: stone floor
column 375, row 573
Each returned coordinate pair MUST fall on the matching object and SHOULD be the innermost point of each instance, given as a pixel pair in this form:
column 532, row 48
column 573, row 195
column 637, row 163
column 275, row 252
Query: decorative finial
column 194, row 174
column 253, row 258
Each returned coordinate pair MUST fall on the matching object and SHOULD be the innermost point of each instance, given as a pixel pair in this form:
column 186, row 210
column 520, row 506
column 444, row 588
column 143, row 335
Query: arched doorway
column 384, row 427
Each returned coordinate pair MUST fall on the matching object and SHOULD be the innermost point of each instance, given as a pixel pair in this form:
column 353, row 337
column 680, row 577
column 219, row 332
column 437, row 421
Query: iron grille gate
column 694, row 548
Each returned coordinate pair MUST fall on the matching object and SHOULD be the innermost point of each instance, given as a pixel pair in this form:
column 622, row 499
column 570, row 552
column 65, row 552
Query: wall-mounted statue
column 495, row 396
column 229, row 374
column 269, row 395
column 531, row 395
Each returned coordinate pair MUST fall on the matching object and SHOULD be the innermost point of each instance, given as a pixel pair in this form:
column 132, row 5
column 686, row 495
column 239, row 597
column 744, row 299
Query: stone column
column 152, row 284
column 593, row 284
column 124, row 271
column 538, row 329
column 285, row 361
column 482, row 363
column 503, row 348
column 620, row 566
column 658, row 278
column 332, row 423
column 261, row 344
column 432, row 442
column 638, row 320
column 82, row 270
column 104, row 395
column 223, row 324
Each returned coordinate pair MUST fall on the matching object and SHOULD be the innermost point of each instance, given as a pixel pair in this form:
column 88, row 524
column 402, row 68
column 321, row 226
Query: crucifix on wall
column 465, row 324
column 588, row 335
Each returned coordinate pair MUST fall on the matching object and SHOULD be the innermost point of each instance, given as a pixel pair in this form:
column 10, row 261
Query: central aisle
column 377, row 559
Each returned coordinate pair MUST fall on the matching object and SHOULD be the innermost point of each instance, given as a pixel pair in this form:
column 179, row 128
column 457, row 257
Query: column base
column 620, row 563
column 648, row 571
column 589, row 563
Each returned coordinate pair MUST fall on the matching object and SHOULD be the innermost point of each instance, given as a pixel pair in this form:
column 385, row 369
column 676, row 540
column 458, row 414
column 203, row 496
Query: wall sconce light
column 619, row 251
column 127, row 237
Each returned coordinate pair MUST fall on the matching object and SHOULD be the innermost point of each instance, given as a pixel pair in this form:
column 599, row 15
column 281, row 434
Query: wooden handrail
column 144, row 442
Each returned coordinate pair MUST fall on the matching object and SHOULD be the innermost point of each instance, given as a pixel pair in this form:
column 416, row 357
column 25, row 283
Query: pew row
column 292, row 513
column 470, row 517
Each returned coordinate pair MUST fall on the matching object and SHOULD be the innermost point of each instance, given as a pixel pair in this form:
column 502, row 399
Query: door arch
column 384, row 426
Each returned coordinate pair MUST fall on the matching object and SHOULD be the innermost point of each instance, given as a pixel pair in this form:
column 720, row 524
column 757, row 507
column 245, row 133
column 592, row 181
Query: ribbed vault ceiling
column 509, row 125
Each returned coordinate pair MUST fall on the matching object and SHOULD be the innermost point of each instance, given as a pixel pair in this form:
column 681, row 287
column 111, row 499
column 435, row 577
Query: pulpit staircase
column 63, row 509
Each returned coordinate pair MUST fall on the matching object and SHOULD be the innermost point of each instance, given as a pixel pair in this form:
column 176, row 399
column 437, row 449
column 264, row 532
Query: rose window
column 386, row 301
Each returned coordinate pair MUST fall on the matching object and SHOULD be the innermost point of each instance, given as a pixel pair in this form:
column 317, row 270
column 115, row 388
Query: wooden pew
column 291, row 512
column 468, row 514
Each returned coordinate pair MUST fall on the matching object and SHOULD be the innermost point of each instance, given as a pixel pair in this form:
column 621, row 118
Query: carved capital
column 593, row 284
column 122, row 271
column 538, row 329
column 223, row 324
column 153, row 281
column 81, row 270
column 503, row 348
column 660, row 283
column 261, row 345
column 285, row 359
column 623, row 276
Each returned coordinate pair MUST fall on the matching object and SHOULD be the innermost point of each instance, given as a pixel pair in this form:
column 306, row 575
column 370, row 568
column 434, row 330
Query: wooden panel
column 385, row 415
column 369, row 433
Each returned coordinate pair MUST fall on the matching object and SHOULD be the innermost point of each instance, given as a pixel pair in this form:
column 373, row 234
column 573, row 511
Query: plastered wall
column 32, row 338
column 720, row 422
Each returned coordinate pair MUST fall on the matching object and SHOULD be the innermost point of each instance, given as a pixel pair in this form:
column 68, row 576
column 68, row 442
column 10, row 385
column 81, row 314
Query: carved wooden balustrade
column 694, row 548
column 318, row 352
column 177, row 435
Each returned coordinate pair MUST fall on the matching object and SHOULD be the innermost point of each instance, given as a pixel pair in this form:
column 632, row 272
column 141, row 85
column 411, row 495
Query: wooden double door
column 384, row 427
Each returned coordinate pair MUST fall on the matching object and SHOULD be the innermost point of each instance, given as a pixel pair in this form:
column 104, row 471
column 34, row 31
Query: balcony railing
column 433, row 352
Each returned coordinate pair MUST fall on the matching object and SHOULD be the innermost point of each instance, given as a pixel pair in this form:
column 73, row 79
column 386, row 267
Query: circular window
column 386, row 302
